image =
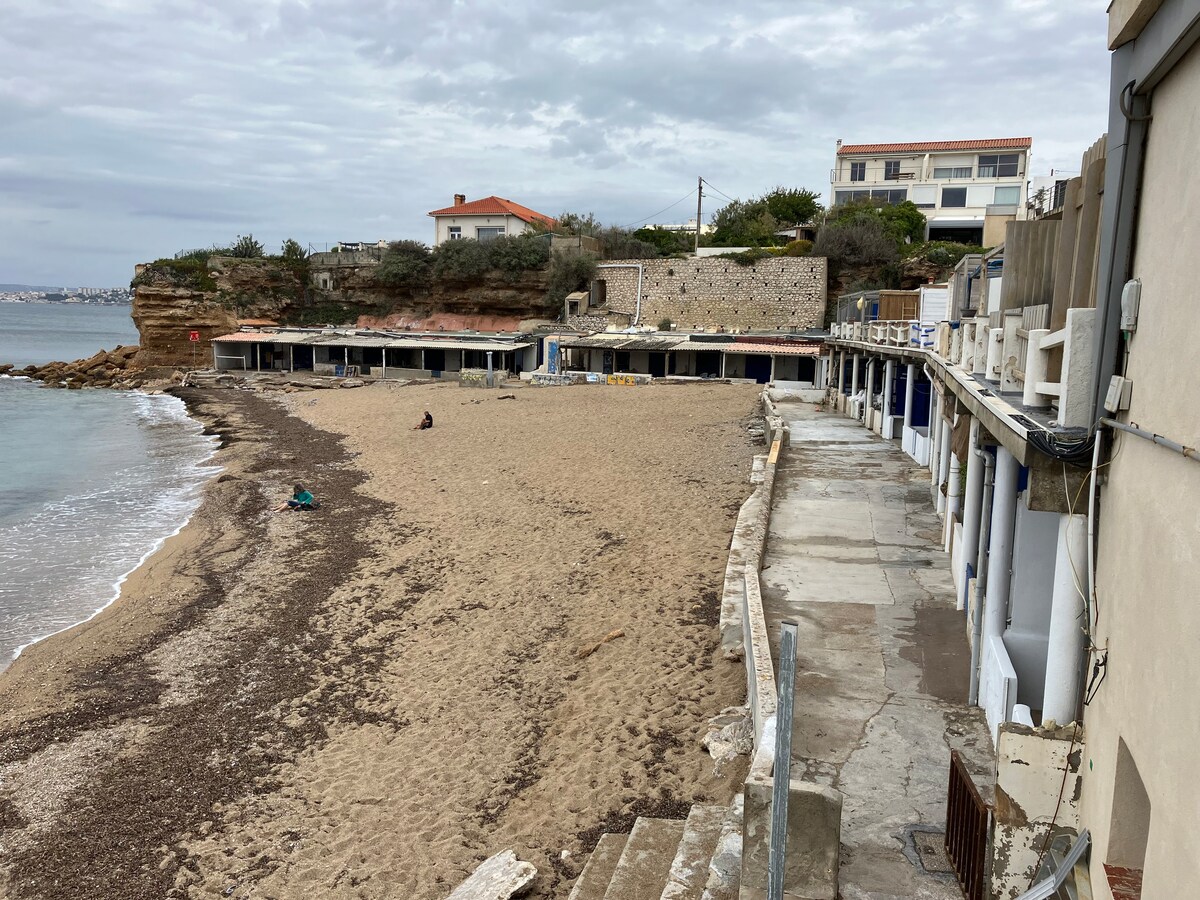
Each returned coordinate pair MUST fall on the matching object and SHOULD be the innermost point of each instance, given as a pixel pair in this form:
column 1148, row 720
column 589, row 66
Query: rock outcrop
column 115, row 368
column 174, row 299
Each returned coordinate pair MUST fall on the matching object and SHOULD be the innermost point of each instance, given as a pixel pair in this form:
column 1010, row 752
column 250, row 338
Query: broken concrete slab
column 498, row 878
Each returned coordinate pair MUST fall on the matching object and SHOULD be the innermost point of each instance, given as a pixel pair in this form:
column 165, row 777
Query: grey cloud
column 191, row 121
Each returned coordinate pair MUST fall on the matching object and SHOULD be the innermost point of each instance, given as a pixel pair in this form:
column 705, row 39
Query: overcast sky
column 130, row 130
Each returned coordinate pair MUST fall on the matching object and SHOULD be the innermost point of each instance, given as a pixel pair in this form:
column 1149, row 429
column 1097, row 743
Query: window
column 952, row 172
column 858, row 171
column 891, row 169
column 488, row 234
column 841, row 197
column 889, row 196
column 1003, row 165
column 453, row 233
column 954, row 197
column 1007, row 196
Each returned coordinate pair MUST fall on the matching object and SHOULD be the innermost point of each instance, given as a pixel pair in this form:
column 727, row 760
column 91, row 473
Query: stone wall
column 781, row 292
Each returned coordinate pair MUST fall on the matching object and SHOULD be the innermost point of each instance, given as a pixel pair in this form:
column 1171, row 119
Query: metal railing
column 966, row 829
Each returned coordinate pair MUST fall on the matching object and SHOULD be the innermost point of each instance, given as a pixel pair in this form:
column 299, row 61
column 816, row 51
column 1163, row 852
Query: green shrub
column 404, row 264
column 462, row 260
column 569, row 271
column 941, row 253
column 513, row 255
column 246, row 247
column 748, row 257
column 798, row 247
column 188, row 272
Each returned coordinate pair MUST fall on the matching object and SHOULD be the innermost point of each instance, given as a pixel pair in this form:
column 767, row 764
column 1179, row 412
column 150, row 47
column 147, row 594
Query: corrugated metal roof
column 362, row 340
column 651, row 344
column 266, row 337
column 788, row 349
column 1021, row 143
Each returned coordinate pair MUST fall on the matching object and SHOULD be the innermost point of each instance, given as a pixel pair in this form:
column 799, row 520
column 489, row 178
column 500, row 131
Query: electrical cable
column 1074, row 450
column 719, row 191
column 1062, row 789
column 690, row 193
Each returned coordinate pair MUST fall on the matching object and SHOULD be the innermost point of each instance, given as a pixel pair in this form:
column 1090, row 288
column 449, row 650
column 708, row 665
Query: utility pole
column 699, row 202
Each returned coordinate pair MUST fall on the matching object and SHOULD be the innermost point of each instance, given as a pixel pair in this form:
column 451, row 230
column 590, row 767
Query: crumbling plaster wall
column 1030, row 763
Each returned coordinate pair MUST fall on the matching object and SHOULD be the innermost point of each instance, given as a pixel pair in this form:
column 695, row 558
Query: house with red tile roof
column 484, row 219
column 967, row 189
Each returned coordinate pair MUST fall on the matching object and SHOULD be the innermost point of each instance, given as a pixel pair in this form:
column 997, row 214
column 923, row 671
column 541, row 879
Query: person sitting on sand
column 426, row 422
column 301, row 499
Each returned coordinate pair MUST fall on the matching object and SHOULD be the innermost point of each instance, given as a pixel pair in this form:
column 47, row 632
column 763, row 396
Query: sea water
column 91, row 481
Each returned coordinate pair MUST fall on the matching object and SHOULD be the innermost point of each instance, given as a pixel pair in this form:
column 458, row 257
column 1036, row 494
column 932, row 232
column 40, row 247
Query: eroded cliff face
column 172, row 301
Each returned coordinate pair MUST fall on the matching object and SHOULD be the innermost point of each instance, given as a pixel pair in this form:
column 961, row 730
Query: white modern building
column 484, row 219
column 967, row 189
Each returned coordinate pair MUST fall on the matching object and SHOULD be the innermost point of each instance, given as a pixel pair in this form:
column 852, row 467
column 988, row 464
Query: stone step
column 689, row 871
column 642, row 872
column 593, row 880
column 725, row 868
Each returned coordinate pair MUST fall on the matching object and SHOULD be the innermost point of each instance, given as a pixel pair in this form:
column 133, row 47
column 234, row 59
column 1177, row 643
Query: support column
column 854, row 373
column 935, row 431
column 772, row 378
column 722, row 365
column 869, row 392
column 258, row 357
column 909, row 387
column 1000, row 547
column 953, row 479
column 841, row 373
column 383, row 359
column 1064, row 654
column 972, row 503
column 943, row 468
column 889, row 368
column 291, row 358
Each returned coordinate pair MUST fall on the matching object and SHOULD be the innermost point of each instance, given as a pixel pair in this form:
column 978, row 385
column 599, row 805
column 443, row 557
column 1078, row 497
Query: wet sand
column 368, row 700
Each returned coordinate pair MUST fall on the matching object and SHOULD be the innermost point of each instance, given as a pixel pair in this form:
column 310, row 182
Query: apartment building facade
column 968, row 189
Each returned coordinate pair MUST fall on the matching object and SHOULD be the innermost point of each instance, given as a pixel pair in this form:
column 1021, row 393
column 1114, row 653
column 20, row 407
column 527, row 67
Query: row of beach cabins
column 545, row 357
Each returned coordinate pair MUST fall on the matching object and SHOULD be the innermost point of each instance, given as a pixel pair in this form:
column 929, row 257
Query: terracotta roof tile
column 1021, row 143
column 494, row 206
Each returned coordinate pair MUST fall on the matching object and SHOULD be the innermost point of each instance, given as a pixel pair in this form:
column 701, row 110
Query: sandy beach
column 369, row 700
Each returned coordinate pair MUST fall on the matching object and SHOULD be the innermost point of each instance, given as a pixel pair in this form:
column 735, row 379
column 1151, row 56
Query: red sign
column 193, row 336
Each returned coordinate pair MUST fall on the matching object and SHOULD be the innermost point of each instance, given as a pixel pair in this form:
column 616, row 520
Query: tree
column 246, row 247
column 793, row 206
column 569, row 271
column 903, row 221
column 574, row 223
column 667, row 242
column 620, row 244
column 754, row 222
column 292, row 250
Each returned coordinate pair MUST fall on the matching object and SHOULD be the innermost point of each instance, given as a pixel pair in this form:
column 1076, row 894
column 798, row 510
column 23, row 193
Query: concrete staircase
column 665, row 859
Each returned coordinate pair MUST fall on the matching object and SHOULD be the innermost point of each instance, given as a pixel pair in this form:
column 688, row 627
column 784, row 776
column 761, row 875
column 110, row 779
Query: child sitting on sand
column 426, row 422
column 301, row 499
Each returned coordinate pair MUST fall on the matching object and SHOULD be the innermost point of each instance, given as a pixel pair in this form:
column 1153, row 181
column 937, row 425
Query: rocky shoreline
column 114, row 368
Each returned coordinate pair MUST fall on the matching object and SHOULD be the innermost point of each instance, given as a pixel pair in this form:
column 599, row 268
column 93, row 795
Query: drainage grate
column 931, row 852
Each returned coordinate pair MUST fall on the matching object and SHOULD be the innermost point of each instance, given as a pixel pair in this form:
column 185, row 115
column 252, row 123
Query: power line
column 661, row 211
column 719, row 191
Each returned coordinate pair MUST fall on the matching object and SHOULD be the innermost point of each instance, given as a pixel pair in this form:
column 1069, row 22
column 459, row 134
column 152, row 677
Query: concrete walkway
column 854, row 557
